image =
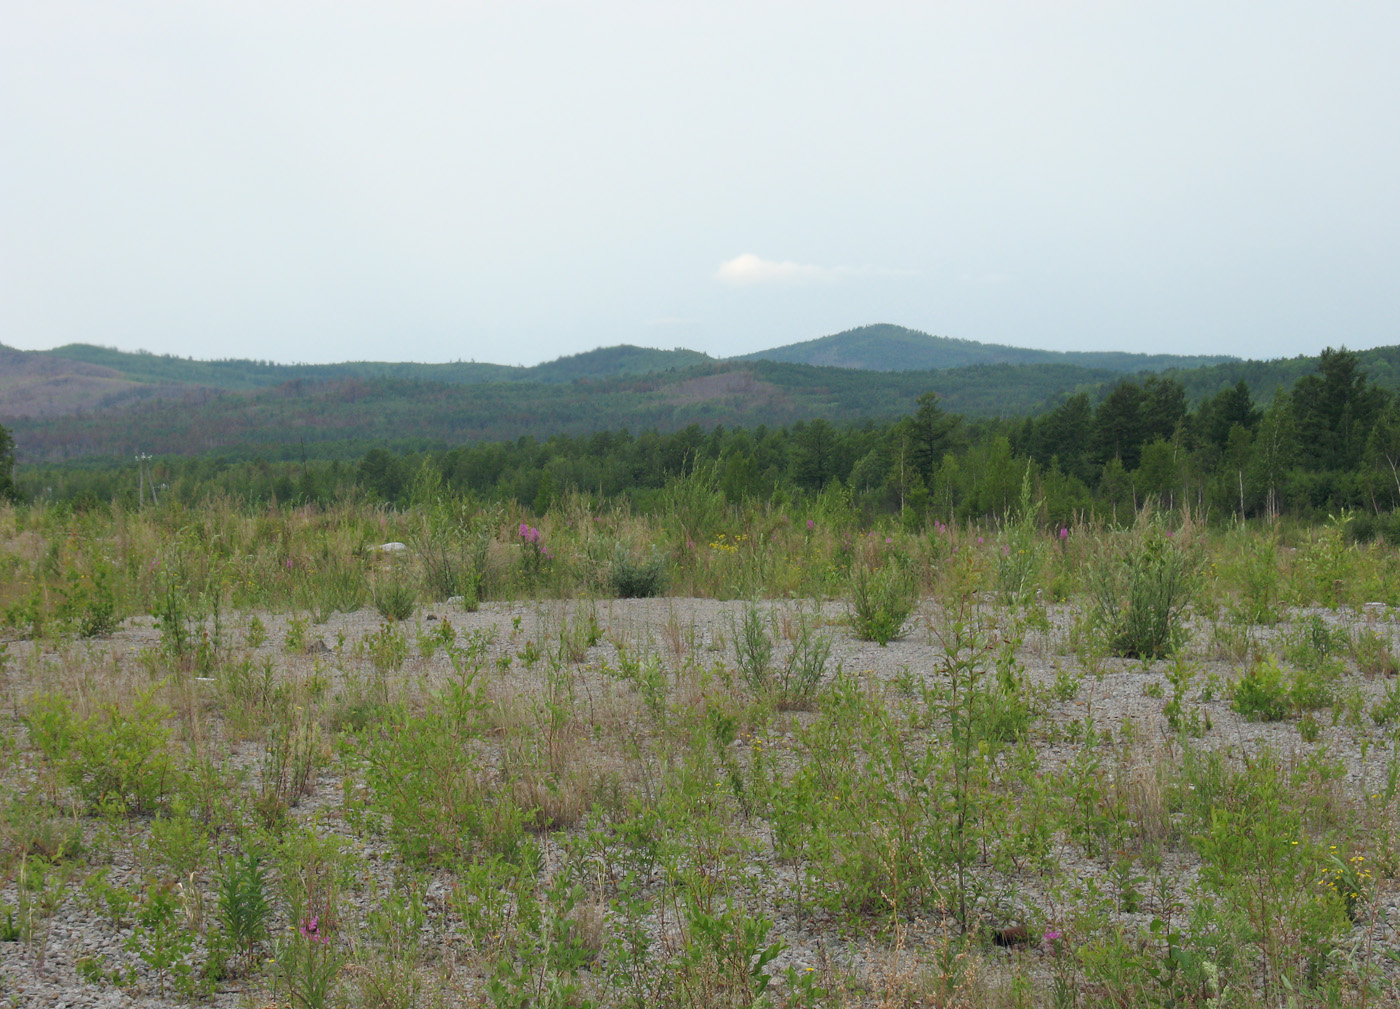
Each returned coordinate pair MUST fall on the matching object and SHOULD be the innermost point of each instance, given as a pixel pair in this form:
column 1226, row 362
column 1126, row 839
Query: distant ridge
column 884, row 347
column 81, row 378
column 82, row 402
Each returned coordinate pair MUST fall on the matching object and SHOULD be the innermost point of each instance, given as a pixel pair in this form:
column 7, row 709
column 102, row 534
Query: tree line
column 1331, row 442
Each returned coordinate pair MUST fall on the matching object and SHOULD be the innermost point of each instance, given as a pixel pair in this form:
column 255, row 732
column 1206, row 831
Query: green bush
column 753, row 649
column 395, row 598
column 1268, row 693
column 1373, row 654
column 113, row 755
column 1262, row 693
column 634, row 579
column 343, row 587
column 88, row 603
column 881, row 601
column 429, row 787
column 1140, row 596
column 793, row 683
column 243, row 908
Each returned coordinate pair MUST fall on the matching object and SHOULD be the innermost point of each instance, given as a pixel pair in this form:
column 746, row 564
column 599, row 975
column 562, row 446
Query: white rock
column 394, row 547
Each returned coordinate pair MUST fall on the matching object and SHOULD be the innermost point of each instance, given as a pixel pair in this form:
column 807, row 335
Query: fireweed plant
column 822, row 760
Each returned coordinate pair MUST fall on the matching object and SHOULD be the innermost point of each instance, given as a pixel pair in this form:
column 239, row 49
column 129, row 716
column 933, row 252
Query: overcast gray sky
column 515, row 181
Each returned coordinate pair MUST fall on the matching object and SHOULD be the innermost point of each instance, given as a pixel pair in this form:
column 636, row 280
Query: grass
column 567, row 799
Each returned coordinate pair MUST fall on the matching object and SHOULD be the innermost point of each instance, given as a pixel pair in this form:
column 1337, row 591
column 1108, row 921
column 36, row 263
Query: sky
column 512, row 182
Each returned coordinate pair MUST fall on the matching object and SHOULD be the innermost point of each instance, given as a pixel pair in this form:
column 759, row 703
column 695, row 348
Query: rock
column 393, row 547
column 1013, row 935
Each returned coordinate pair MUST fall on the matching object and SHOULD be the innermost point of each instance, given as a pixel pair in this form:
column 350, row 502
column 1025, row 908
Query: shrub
column 881, row 601
column 753, row 649
column 343, row 587
column 1022, row 553
column 395, row 599
column 1140, row 596
column 111, row 756
column 242, row 903
column 1373, row 654
column 1262, row 693
column 793, row 683
column 1268, row 693
column 429, row 787
column 88, row 603
column 633, row 579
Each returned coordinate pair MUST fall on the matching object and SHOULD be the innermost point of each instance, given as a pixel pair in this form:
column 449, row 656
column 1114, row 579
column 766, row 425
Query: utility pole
column 143, row 462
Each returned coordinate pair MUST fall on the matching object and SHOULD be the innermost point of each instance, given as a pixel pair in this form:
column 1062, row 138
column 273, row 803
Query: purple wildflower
column 1064, row 534
column 311, row 928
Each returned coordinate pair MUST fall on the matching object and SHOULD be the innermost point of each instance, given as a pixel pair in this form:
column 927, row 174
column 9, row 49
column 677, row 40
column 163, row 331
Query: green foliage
column 291, row 756
column 1259, row 582
column 8, row 491
column 162, row 940
column 307, row 964
column 1023, row 551
column 726, row 949
column 343, row 587
column 395, row 598
column 687, row 807
column 1140, row 595
column 1263, row 692
column 178, row 842
column 257, row 632
column 29, row 829
column 1267, row 693
column 429, row 788
column 1373, row 654
column 793, row 682
column 113, row 755
column 753, row 649
column 450, row 538
column 882, row 598
column 1258, row 862
column 634, row 579
column 387, row 649
column 88, row 603
column 295, row 638
column 243, row 907
column 545, row 968
column 982, row 698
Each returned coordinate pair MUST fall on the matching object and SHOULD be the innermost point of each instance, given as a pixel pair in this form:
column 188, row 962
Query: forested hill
column 338, row 411
column 893, row 348
column 340, row 418
column 241, row 375
column 1330, row 445
column 86, row 378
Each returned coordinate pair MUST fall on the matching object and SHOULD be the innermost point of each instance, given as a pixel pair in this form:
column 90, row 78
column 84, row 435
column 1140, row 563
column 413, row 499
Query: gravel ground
column 694, row 631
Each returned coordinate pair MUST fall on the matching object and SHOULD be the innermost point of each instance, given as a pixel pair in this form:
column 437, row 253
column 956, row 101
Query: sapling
column 243, row 906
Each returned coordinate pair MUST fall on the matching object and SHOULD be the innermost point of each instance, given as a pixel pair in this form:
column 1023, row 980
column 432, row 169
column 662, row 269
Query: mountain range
column 82, row 400
column 83, row 377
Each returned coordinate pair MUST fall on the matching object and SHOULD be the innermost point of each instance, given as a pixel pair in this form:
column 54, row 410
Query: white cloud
column 742, row 271
column 747, row 269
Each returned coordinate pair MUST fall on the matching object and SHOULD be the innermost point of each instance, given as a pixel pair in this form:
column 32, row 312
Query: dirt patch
column 728, row 385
